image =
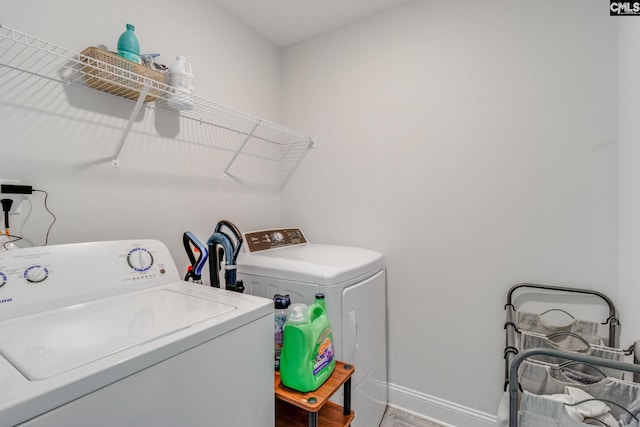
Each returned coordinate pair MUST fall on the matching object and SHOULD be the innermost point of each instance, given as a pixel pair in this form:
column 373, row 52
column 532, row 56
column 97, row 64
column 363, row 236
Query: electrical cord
column 46, row 196
column 15, row 239
column 6, row 208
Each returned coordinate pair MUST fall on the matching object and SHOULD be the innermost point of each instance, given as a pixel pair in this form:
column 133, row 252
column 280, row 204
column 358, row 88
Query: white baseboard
column 437, row 410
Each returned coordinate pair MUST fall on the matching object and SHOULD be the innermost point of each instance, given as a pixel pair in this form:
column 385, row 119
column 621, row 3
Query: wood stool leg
column 346, row 408
column 313, row 419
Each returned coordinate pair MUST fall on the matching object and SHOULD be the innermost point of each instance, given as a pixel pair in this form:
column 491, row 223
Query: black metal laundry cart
column 568, row 372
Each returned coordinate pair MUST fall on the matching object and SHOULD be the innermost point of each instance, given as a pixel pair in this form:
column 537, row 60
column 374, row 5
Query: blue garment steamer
column 222, row 244
column 191, row 243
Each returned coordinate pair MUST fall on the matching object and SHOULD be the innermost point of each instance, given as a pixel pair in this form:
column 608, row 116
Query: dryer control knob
column 278, row 237
column 140, row 259
column 36, row 273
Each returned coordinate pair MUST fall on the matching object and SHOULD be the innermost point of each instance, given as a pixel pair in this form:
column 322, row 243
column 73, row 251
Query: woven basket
column 119, row 76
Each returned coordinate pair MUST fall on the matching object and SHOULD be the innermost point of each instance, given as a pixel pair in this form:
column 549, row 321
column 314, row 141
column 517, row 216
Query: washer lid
column 47, row 344
column 312, row 263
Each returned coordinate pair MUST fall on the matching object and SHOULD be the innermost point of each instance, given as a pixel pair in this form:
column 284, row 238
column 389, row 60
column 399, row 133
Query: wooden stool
column 296, row 409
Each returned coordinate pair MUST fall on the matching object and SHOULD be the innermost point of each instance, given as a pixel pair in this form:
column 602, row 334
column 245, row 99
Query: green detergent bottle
column 307, row 358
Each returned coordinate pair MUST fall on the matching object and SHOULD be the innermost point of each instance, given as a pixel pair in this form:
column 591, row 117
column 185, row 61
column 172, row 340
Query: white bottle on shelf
column 180, row 78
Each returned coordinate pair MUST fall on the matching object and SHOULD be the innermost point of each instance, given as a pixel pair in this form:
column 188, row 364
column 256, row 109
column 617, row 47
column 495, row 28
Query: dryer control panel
column 48, row 277
column 270, row 239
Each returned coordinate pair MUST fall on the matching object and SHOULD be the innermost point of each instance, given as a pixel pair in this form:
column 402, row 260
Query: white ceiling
column 284, row 22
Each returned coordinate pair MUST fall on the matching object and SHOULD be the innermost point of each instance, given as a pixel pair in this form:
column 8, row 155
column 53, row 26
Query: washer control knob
column 278, row 237
column 3, row 279
column 36, row 273
column 140, row 259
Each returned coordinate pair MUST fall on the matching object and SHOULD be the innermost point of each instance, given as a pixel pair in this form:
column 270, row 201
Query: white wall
column 60, row 138
column 474, row 144
column 629, row 180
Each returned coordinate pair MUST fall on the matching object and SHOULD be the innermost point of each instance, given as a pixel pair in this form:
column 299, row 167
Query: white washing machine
column 106, row 334
column 354, row 283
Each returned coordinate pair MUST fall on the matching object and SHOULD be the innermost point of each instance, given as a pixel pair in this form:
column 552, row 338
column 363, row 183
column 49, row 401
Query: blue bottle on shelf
column 128, row 45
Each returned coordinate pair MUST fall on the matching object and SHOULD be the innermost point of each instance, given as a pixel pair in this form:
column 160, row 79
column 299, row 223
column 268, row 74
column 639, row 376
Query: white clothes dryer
column 106, row 334
column 353, row 280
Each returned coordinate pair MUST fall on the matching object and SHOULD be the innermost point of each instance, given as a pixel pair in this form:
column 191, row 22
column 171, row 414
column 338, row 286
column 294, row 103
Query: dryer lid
column 325, row 265
column 50, row 343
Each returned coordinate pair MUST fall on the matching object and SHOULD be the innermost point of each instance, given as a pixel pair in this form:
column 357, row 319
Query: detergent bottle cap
column 298, row 313
column 281, row 302
column 320, row 300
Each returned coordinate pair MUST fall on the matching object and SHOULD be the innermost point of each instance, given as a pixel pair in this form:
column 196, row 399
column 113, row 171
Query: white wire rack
column 22, row 53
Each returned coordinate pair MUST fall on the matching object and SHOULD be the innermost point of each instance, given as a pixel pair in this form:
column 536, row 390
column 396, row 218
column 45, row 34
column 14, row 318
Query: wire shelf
column 25, row 54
